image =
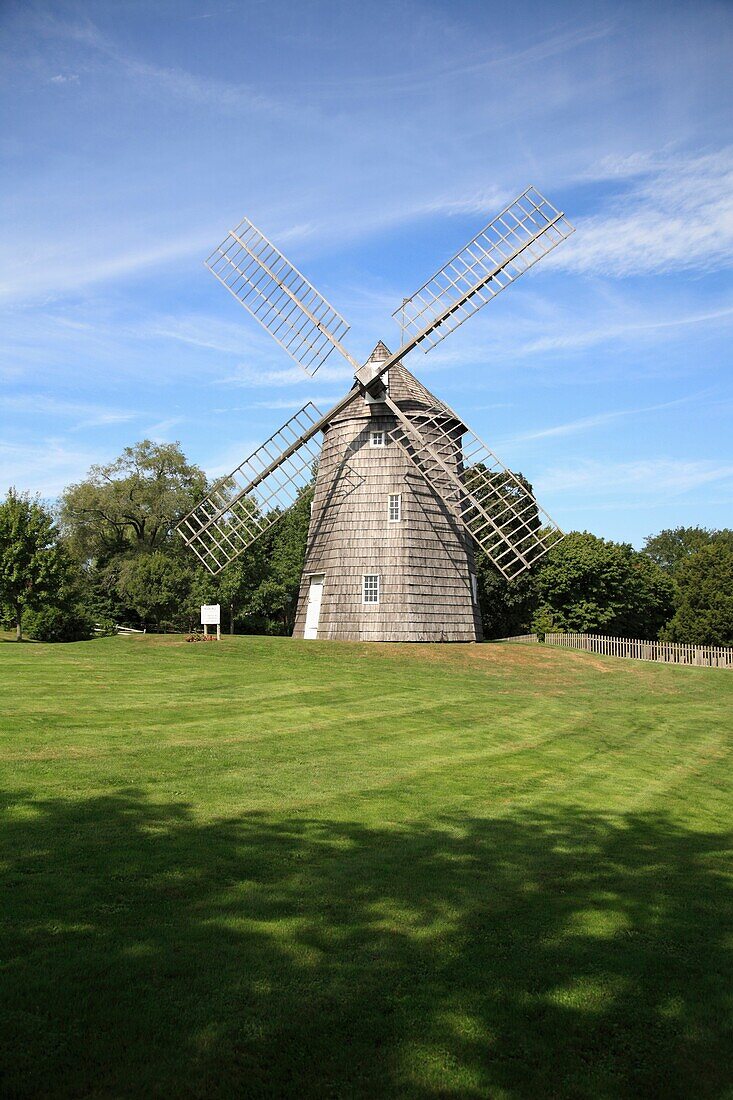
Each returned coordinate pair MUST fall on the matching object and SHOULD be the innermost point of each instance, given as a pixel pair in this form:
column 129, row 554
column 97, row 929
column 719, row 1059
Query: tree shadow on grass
column 562, row 954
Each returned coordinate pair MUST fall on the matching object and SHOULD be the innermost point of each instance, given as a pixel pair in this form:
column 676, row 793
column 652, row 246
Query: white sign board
column 210, row 614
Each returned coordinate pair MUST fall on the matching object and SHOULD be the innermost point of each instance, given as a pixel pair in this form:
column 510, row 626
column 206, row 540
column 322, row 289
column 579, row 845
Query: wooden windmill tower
column 404, row 488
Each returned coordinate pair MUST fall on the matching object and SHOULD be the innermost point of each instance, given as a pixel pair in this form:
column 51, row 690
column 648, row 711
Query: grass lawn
column 270, row 868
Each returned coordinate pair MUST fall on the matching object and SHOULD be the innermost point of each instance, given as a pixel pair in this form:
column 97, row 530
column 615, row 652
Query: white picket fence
column 120, row 629
column 669, row 653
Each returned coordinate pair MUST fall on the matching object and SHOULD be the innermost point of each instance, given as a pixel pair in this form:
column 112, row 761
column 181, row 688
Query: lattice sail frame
column 277, row 295
column 243, row 505
column 509, row 245
column 468, row 476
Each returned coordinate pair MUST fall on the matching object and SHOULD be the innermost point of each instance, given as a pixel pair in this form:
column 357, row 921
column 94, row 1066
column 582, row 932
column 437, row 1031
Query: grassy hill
column 275, row 868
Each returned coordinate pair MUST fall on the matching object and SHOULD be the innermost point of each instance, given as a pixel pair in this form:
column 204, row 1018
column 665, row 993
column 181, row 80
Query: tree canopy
column 131, row 504
column 506, row 606
column 673, row 546
column 704, row 614
column 592, row 585
column 33, row 565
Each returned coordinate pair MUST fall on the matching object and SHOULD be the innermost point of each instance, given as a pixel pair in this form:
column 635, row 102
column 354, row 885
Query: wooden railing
column 668, row 653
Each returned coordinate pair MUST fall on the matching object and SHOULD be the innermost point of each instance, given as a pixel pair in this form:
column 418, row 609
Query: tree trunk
column 19, row 623
column 231, row 618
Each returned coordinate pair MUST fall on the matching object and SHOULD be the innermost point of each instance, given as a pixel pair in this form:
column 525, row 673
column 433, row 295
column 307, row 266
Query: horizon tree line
column 107, row 554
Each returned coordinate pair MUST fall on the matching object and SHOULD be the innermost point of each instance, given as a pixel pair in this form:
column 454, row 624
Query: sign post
column 211, row 616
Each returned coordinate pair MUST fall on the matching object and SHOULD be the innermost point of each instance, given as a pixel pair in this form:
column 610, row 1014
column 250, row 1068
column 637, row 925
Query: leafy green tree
column 287, row 557
column 592, row 585
column 65, row 620
column 132, row 503
column 704, row 614
column 506, row 606
column 673, row 546
column 240, row 581
column 156, row 585
column 284, row 547
column 32, row 563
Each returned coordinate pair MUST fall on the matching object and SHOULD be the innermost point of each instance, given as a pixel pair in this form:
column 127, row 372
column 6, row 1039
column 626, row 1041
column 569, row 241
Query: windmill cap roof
column 404, row 389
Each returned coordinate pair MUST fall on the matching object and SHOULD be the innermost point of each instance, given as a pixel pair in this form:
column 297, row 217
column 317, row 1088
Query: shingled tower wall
column 424, row 560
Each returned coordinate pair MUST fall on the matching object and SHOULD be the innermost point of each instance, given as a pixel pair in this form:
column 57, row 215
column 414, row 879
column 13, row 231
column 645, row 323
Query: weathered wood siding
column 424, row 560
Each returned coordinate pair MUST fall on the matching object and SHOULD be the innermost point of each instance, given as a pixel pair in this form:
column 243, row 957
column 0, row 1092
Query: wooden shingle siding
column 424, row 560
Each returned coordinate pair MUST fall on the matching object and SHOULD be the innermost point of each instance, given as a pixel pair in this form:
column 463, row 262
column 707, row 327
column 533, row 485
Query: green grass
column 278, row 869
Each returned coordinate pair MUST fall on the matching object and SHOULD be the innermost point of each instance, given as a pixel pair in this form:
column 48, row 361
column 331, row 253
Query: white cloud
column 571, row 427
column 677, row 215
column 295, row 403
column 179, row 83
column 580, row 338
column 254, row 376
column 46, row 466
column 89, row 415
column 645, row 476
column 80, row 264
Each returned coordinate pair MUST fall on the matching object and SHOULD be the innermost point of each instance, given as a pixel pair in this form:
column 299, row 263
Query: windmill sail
column 243, row 505
column 514, row 241
column 497, row 509
column 278, row 296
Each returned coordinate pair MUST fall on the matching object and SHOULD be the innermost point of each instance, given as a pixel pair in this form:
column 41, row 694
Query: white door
column 313, row 611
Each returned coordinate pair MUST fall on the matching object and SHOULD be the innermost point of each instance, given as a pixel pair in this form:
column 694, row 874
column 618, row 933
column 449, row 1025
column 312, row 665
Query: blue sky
column 370, row 141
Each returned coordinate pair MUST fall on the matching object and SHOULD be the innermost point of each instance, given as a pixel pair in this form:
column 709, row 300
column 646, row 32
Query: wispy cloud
column 584, row 423
column 297, row 403
column 88, row 415
column 648, row 476
column 205, row 91
column 83, row 264
column 579, row 338
column 45, row 466
column 247, row 375
column 476, row 63
column 676, row 214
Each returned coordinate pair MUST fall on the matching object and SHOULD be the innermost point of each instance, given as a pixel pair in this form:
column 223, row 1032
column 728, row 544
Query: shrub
column 57, row 624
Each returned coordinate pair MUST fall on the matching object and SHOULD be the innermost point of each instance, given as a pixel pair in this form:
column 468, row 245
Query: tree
column 32, row 564
column 506, row 606
column 132, row 503
column 239, row 582
column 155, row 585
column 67, row 616
column 673, row 546
column 288, row 553
column 704, row 614
column 593, row 585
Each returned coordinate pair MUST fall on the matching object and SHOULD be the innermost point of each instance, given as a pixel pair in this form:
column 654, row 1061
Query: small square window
column 371, row 588
column 395, row 507
column 377, row 439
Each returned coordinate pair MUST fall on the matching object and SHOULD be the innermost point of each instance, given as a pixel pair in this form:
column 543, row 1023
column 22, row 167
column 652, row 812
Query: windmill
column 404, row 489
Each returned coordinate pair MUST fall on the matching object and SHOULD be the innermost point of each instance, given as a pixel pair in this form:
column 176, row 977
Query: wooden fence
column 669, row 653
column 98, row 629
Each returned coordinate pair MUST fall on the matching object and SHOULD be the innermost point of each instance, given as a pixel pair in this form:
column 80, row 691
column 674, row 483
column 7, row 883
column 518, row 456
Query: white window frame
column 373, row 590
column 397, row 498
column 377, row 438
